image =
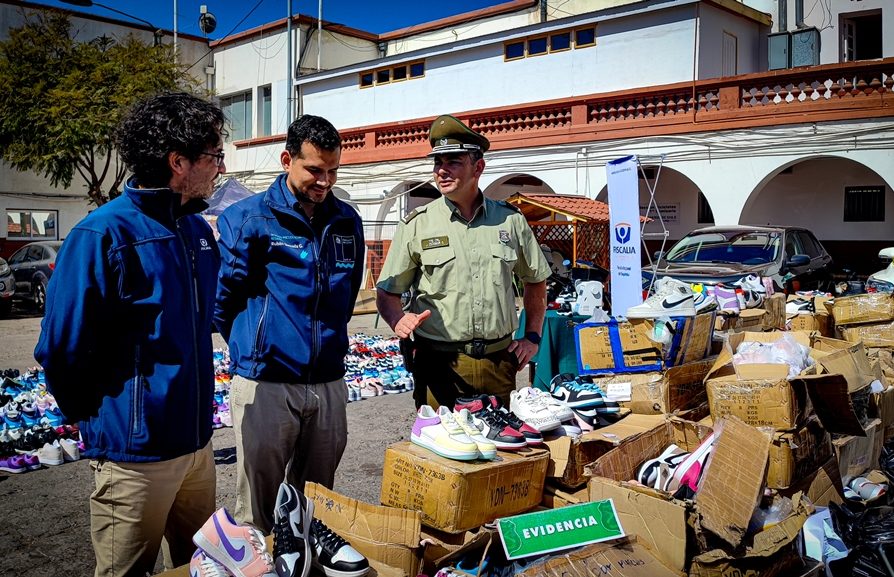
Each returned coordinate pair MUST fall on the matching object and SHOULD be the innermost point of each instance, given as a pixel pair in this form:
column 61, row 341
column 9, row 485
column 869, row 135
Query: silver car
column 7, row 288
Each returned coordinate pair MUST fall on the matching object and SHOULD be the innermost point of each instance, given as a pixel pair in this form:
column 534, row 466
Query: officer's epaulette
column 416, row 212
column 511, row 206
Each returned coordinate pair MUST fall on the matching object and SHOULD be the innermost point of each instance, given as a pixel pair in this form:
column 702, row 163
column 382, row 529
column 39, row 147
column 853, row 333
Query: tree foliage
column 61, row 99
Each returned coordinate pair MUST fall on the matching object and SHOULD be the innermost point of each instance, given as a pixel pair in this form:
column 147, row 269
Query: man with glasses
column 292, row 267
column 126, row 340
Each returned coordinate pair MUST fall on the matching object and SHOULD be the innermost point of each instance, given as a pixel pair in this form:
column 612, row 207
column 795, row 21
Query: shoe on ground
column 532, row 436
column 486, row 448
column 440, row 433
column 531, row 408
column 292, row 517
column 333, row 555
column 13, row 464
column 70, row 450
column 672, row 298
column 51, row 454
column 239, row 548
column 202, row 565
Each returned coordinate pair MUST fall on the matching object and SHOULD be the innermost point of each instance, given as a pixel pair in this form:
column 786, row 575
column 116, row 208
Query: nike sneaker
column 239, row 548
column 687, row 477
column 532, row 436
column 671, row 298
column 800, row 306
column 486, row 447
column 657, row 472
column 292, row 519
column 202, row 565
column 727, row 301
column 440, row 433
column 531, row 408
column 575, row 392
column 704, row 302
column 333, row 555
column 493, row 423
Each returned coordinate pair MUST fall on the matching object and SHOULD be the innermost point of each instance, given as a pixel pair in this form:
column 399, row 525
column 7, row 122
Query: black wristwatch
column 533, row 337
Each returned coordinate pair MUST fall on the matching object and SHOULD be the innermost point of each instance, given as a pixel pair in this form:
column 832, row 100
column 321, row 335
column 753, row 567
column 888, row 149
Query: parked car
column 32, row 265
column 883, row 280
column 791, row 256
column 7, row 288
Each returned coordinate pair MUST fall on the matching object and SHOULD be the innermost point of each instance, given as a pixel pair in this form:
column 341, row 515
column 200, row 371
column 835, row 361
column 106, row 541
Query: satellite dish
column 207, row 22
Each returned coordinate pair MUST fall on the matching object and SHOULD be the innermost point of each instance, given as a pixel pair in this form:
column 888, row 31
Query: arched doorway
column 506, row 186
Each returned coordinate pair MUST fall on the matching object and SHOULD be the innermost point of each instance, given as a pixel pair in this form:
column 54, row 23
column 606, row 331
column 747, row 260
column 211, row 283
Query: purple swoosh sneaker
column 239, row 548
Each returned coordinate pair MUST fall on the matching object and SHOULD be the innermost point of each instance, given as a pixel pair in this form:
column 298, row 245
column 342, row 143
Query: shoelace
column 326, row 537
column 284, row 539
column 493, row 418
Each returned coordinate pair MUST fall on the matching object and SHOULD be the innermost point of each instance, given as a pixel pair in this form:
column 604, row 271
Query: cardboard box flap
column 734, row 479
column 832, row 403
column 474, row 541
column 625, row 558
column 851, row 362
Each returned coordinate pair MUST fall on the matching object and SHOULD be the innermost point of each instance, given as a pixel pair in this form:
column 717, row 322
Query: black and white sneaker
column 575, row 392
column 292, row 520
column 333, row 555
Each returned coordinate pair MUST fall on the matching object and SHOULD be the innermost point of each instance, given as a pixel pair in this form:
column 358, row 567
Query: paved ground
column 44, row 519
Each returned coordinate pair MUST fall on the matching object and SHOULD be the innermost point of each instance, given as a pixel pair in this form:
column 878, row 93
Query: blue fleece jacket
column 126, row 339
column 287, row 285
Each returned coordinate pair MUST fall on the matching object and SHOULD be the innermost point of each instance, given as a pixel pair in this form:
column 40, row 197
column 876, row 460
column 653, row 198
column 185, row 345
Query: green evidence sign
column 556, row 529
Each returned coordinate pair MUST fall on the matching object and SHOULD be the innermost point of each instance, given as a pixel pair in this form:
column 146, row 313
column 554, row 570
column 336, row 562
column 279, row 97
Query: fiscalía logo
column 622, row 232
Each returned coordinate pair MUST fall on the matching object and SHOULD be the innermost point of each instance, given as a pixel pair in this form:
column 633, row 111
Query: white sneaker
column 671, row 298
column 531, row 408
column 704, row 302
column 465, row 420
column 440, row 433
column 70, row 451
column 51, row 454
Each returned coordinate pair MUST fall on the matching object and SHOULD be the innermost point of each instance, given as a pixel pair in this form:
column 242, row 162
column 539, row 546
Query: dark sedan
column 32, row 265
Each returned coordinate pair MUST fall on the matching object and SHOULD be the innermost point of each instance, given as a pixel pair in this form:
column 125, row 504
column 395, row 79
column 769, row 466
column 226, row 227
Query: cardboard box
column 774, row 320
column 822, row 486
column 863, row 308
column 871, row 335
column 656, row 393
column 691, row 339
column 454, row 496
column 857, row 455
column 882, row 407
column 626, row 558
column 554, row 496
column 749, row 320
column 616, row 347
column 772, row 552
column 366, row 302
column 568, row 456
column 731, row 487
column 795, row 455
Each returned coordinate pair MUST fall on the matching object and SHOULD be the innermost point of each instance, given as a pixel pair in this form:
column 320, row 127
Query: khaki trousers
column 440, row 377
column 286, row 432
column 136, row 504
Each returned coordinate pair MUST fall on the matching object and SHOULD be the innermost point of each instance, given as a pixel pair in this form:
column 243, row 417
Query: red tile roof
column 574, row 206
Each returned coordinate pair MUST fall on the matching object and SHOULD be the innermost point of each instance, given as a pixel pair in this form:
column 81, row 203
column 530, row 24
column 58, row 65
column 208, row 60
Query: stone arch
column 509, row 184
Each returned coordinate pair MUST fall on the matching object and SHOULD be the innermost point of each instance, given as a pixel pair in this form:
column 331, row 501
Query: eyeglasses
column 218, row 155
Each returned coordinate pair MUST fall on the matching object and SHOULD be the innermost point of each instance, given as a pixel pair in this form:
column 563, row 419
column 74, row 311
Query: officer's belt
column 475, row 348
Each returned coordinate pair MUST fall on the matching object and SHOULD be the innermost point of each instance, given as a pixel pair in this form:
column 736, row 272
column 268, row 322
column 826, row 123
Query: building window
column 395, row 74
column 705, row 214
column 265, row 116
column 585, row 37
column 864, row 204
column 537, row 46
column 861, row 37
column 32, row 224
column 513, row 50
column 237, row 109
column 559, row 42
column 782, row 11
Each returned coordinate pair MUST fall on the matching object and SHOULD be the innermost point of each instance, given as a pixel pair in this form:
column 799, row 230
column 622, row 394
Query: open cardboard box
column 625, row 558
column 569, row 456
column 731, row 487
column 749, row 320
column 819, row 321
column 857, row 454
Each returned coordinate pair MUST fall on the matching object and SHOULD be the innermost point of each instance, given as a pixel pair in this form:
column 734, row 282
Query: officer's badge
column 504, row 236
column 442, row 142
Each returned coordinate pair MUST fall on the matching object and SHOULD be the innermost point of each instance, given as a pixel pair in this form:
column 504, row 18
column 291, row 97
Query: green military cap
column 448, row 135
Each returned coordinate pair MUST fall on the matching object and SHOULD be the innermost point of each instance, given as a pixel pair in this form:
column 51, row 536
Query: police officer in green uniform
column 457, row 255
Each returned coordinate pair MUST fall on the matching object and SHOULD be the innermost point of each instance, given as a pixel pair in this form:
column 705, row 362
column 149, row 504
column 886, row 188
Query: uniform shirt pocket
column 503, row 261
column 438, row 270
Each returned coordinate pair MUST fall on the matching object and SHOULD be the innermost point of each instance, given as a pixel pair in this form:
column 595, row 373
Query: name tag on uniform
column 435, row 242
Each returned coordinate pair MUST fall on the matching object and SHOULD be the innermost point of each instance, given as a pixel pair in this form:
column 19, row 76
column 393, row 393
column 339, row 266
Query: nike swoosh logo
column 670, row 305
column 237, row 554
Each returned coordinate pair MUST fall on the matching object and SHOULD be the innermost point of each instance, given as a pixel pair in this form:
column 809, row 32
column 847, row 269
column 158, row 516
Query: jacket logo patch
column 203, row 244
column 288, row 241
column 504, row 236
column 435, row 242
column 345, row 251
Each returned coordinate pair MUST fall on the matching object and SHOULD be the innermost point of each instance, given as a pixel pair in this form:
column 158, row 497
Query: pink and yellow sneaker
column 239, row 548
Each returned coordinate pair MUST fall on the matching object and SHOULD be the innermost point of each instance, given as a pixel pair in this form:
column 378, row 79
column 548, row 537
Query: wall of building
column 714, row 24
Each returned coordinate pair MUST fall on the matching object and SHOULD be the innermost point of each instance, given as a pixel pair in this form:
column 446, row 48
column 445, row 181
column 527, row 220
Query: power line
column 233, row 29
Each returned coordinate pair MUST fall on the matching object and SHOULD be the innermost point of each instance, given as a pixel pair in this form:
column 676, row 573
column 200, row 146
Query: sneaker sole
column 13, row 471
column 443, row 452
column 330, row 572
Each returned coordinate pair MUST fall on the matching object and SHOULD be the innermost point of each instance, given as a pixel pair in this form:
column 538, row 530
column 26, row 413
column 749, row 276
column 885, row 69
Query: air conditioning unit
column 805, row 47
column 779, row 50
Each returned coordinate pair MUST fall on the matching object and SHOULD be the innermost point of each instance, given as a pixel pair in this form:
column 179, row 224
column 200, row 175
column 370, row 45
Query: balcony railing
column 846, row 91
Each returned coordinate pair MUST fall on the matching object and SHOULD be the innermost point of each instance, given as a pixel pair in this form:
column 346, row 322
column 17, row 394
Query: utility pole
column 289, row 84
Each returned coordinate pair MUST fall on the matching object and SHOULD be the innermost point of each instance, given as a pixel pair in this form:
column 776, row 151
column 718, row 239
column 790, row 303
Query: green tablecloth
column 557, row 353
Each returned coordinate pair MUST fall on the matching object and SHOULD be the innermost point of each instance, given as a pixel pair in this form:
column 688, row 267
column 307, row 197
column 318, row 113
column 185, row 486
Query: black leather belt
column 475, row 348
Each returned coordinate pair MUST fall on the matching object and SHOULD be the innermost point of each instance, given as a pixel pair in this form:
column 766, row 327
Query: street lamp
column 157, row 32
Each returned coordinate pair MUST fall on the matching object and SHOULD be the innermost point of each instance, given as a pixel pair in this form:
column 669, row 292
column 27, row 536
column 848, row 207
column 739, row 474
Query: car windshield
column 746, row 247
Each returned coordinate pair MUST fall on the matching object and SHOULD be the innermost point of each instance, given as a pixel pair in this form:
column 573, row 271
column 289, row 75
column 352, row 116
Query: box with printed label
column 674, row 389
column 454, row 496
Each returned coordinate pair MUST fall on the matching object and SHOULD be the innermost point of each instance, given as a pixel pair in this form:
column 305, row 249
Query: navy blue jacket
column 126, row 339
column 287, row 288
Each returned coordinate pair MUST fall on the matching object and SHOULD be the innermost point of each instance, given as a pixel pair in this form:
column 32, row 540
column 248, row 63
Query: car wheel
column 39, row 294
column 5, row 307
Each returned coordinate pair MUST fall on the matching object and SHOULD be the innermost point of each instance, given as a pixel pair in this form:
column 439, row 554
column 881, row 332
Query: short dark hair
column 165, row 123
column 313, row 129
column 476, row 155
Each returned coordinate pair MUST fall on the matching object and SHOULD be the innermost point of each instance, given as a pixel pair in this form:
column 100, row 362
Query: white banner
column 623, row 210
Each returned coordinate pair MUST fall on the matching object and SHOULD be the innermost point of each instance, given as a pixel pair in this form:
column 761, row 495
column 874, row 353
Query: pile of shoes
column 221, row 402
column 586, row 401
column 32, row 429
column 300, row 542
column 804, row 303
column 374, row 366
column 672, row 297
column 676, row 471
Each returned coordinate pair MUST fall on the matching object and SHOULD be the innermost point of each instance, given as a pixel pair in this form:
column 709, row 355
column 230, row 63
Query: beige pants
column 284, row 432
column 136, row 504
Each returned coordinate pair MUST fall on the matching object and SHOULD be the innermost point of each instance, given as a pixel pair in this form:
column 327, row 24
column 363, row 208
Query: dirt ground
column 44, row 517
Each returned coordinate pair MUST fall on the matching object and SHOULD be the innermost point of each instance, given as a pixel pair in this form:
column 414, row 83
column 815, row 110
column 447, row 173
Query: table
column 557, row 353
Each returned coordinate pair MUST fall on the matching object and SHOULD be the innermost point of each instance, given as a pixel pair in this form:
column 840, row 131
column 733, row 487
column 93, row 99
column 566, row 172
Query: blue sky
column 371, row 15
